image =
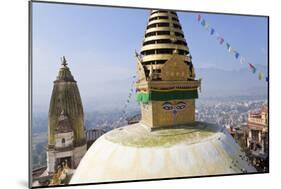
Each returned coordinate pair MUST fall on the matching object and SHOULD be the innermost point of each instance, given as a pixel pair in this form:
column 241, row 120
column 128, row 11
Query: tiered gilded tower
column 66, row 133
column 166, row 88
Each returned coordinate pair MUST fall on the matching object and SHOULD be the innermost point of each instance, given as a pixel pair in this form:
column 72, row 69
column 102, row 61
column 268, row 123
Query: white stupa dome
column 133, row 152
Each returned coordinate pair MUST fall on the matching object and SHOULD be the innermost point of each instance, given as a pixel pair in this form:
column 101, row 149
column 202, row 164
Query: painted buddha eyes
column 180, row 106
column 168, row 106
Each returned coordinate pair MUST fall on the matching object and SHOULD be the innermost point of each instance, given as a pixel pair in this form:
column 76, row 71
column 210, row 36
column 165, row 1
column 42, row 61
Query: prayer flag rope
column 124, row 109
column 230, row 49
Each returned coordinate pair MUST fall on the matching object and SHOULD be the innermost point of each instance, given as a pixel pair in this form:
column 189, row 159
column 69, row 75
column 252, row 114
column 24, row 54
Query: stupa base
column 135, row 153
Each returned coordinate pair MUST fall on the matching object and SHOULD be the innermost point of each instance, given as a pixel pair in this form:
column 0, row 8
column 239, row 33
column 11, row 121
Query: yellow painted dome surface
column 133, row 152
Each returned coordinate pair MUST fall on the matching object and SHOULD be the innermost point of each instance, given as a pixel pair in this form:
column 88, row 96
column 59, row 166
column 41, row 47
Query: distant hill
column 216, row 83
column 221, row 83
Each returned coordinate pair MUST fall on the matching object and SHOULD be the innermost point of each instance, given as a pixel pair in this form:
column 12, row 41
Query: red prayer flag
column 221, row 40
column 199, row 17
column 252, row 67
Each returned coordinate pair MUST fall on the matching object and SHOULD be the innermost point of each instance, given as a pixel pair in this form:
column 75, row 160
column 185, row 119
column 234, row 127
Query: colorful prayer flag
column 228, row 46
column 221, row 40
column 212, row 31
column 207, row 26
column 260, row 75
column 242, row 59
column 203, row 23
column 252, row 68
column 199, row 17
column 236, row 55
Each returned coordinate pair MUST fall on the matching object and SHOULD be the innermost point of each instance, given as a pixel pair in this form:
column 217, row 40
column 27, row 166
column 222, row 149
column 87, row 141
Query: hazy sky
column 99, row 45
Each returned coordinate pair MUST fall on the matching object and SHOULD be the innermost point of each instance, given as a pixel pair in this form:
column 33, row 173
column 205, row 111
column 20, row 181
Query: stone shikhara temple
column 168, row 141
column 66, row 132
column 67, row 141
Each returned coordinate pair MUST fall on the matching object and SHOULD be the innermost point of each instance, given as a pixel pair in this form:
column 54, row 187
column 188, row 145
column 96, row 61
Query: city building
column 167, row 141
column 257, row 140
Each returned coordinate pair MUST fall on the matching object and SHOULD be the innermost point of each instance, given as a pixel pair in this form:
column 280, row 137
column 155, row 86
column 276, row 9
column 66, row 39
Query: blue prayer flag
column 212, row 31
column 236, row 55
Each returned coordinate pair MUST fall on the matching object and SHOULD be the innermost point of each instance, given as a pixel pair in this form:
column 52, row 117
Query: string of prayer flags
column 230, row 49
column 124, row 109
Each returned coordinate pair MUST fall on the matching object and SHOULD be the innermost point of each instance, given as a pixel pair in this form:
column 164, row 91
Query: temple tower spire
column 66, row 133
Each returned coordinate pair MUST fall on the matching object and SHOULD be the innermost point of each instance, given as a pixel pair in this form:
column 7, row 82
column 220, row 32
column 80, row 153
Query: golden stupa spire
column 163, row 38
column 167, row 87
